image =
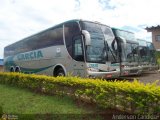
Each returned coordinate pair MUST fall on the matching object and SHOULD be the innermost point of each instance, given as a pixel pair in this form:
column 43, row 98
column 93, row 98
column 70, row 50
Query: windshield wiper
column 111, row 51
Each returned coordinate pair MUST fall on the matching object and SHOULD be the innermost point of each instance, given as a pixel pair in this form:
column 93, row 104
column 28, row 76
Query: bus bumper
column 131, row 71
column 105, row 75
column 145, row 69
column 153, row 68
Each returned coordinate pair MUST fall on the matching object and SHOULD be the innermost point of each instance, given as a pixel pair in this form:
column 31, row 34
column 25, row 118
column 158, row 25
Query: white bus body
column 76, row 47
column 128, row 50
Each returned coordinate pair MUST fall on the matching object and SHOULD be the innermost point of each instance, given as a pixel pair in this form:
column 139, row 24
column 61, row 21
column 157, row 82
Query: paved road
column 149, row 77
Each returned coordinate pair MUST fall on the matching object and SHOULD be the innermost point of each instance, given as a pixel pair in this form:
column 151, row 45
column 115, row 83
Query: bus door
column 79, row 68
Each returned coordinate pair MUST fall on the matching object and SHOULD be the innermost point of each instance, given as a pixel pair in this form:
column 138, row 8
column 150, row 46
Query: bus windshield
column 98, row 50
column 143, row 51
column 131, row 52
column 151, row 52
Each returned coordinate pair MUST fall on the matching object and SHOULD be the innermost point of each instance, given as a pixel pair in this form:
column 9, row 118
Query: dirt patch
column 149, row 77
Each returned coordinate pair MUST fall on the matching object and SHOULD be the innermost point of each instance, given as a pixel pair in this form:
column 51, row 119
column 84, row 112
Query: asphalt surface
column 149, row 77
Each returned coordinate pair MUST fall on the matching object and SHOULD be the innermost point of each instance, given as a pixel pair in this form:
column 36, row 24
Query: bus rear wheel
column 59, row 72
column 11, row 69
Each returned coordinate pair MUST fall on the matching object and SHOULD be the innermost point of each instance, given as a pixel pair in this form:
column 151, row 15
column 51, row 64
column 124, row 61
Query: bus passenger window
column 78, row 51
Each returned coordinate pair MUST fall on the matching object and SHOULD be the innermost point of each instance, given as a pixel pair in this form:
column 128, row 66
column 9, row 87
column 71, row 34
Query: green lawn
column 27, row 105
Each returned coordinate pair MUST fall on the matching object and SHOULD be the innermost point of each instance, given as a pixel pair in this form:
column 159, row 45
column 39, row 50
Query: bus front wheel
column 60, row 72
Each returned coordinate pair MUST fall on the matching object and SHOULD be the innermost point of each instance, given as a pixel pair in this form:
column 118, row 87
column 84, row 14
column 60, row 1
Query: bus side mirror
column 118, row 43
column 87, row 37
column 121, row 39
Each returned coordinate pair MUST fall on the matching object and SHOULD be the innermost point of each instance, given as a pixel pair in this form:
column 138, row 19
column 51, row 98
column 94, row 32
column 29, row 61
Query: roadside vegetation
column 158, row 57
column 128, row 97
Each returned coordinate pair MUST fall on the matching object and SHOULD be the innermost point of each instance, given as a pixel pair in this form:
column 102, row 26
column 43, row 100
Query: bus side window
column 71, row 29
column 78, row 48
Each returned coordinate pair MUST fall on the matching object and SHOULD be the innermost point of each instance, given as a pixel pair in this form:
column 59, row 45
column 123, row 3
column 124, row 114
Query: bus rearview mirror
column 121, row 39
column 87, row 37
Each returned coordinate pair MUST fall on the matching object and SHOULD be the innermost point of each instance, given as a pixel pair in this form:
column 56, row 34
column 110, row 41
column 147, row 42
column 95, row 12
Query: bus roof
column 73, row 20
column 40, row 32
column 122, row 30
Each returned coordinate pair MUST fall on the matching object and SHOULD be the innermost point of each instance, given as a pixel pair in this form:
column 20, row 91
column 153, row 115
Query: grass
column 27, row 105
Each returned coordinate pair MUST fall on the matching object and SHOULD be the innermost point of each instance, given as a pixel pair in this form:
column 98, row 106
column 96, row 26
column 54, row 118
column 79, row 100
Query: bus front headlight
column 93, row 69
column 126, row 66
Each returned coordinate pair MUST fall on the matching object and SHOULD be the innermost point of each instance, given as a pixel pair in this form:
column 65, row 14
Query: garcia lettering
column 30, row 55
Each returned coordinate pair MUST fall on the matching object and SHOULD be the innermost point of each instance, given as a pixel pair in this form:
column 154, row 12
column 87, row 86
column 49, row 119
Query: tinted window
column 50, row 37
column 143, row 51
column 142, row 42
column 78, row 48
column 71, row 29
column 103, row 44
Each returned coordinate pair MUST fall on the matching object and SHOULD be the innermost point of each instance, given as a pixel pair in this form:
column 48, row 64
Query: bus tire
column 59, row 72
column 17, row 69
column 12, row 69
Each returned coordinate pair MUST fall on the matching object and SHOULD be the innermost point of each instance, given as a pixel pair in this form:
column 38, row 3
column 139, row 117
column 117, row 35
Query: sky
column 22, row 18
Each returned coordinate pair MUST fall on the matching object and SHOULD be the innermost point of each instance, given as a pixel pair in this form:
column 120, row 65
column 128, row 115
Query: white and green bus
column 128, row 52
column 76, row 47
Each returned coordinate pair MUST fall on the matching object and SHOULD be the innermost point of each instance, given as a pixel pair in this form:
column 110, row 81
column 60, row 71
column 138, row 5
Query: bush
column 133, row 97
column 158, row 57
